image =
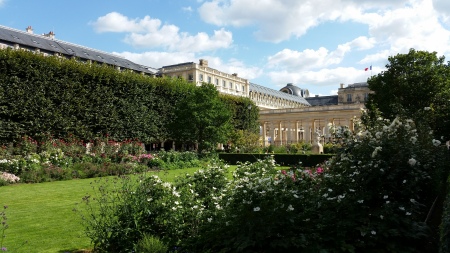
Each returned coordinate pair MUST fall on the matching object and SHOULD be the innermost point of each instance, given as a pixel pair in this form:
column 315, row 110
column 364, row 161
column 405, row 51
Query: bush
column 121, row 211
column 445, row 224
column 380, row 188
column 151, row 244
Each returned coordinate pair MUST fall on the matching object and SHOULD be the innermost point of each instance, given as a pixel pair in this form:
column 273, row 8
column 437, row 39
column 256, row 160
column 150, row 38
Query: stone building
column 47, row 44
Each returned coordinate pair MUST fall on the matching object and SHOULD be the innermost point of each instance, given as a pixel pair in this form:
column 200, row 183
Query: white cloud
column 413, row 26
column 322, row 77
column 310, row 59
column 278, row 20
column 116, row 22
column 150, row 33
column 234, row 66
column 377, row 57
column 187, row 9
column 443, row 8
column 396, row 25
column 2, row 2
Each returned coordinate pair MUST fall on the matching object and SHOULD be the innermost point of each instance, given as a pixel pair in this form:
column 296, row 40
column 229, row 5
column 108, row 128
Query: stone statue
column 317, row 148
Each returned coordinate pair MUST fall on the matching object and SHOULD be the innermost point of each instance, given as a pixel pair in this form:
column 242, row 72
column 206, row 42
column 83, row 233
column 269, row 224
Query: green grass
column 41, row 219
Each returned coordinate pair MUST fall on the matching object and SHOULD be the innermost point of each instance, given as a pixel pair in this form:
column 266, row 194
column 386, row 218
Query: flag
column 366, row 69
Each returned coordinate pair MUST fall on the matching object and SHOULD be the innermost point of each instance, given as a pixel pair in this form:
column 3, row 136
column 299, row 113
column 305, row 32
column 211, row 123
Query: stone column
column 280, row 133
column 294, row 133
column 288, row 132
column 307, row 133
column 263, row 134
column 326, row 131
column 272, row 133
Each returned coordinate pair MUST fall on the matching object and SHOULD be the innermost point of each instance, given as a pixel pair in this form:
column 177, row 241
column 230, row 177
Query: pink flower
column 319, row 170
column 283, row 172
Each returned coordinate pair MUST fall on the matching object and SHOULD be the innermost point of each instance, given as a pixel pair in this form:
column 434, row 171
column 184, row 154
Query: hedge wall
column 41, row 96
column 282, row 159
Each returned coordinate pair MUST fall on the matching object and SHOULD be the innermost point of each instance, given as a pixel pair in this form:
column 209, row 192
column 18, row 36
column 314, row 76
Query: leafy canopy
column 417, row 85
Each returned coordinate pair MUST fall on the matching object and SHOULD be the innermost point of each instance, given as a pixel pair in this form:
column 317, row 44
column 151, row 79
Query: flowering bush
column 122, row 212
column 380, row 187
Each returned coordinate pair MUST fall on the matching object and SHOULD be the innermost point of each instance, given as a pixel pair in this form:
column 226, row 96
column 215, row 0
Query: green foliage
column 416, row 85
column 120, row 213
column 300, row 147
column 309, row 160
column 202, row 118
column 445, row 224
column 151, row 244
column 66, row 98
column 245, row 113
column 4, row 226
column 380, row 188
column 175, row 160
column 244, row 141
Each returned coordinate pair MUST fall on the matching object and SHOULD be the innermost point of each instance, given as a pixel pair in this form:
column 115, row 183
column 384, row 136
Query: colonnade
column 285, row 132
column 286, row 126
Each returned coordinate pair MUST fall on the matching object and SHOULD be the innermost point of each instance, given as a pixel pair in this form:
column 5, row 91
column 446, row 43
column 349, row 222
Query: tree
column 416, row 85
column 202, row 117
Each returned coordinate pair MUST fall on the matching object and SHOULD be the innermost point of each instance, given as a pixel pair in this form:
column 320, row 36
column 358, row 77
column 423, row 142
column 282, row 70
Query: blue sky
column 315, row 44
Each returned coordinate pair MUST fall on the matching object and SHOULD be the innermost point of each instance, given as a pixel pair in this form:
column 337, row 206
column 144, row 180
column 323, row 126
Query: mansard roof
column 50, row 45
column 271, row 92
column 323, row 100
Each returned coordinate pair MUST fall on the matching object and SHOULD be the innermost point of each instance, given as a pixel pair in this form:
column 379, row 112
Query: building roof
column 177, row 65
column 294, row 90
column 51, row 45
column 358, row 85
column 258, row 88
column 323, row 100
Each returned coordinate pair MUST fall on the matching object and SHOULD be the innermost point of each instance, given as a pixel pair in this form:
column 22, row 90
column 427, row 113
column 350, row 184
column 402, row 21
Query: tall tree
column 203, row 118
column 416, row 85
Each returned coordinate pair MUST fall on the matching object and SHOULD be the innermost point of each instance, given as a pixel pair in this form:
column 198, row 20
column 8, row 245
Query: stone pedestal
column 317, row 148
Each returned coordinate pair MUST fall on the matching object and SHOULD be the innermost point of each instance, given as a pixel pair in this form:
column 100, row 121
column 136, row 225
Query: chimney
column 29, row 29
column 203, row 63
column 51, row 35
column 342, row 85
column 235, row 74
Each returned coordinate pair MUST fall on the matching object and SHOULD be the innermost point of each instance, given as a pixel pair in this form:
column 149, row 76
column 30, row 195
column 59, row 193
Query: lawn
column 41, row 219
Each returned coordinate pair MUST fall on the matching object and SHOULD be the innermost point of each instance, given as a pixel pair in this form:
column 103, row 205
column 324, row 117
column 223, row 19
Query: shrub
column 151, row 244
column 124, row 210
column 380, row 188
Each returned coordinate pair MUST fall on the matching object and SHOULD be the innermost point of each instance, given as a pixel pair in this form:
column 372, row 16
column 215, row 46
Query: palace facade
column 288, row 115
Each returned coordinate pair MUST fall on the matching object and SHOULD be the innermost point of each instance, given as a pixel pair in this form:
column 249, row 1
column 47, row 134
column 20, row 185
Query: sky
column 315, row 44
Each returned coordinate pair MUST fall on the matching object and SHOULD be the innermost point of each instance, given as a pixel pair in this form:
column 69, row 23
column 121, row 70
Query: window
column 349, row 97
column 243, row 88
column 224, row 83
column 190, row 77
column 209, row 79
column 200, row 77
column 231, row 85
column 366, row 96
column 217, row 82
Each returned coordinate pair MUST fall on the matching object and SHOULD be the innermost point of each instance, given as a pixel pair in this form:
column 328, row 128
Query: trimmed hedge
column 41, row 96
column 282, row 159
